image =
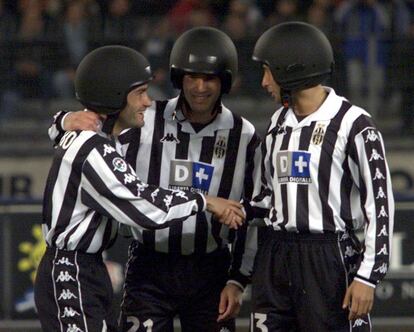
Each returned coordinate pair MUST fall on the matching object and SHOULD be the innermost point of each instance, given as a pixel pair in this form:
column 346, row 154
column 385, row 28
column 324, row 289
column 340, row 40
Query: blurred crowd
column 42, row 41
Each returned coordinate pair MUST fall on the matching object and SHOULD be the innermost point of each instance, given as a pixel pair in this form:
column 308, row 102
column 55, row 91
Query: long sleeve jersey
column 90, row 184
column 222, row 159
column 328, row 173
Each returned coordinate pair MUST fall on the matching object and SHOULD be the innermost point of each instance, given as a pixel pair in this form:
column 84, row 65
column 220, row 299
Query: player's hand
column 82, row 120
column 227, row 211
column 230, row 302
column 359, row 298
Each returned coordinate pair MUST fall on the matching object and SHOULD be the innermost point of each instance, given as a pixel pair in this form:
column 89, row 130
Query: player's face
column 132, row 116
column 201, row 92
column 269, row 84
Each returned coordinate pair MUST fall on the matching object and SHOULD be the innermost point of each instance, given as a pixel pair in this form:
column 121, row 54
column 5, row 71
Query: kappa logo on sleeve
column 188, row 175
column 293, row 166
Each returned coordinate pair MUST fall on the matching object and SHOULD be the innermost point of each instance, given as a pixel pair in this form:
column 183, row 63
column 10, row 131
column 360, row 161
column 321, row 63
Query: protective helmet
column 298, row 54
column 204, row 50
column 106, row 75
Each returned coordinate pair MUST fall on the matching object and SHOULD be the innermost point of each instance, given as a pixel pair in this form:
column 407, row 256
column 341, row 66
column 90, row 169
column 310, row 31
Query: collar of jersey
column 224, row 120
column 326, row 112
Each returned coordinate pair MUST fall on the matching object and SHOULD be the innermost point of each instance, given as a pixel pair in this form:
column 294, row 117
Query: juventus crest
column 220, row 147
column 318, row 134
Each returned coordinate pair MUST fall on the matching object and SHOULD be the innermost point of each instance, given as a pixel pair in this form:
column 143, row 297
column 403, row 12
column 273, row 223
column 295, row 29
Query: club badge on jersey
column 318, row 134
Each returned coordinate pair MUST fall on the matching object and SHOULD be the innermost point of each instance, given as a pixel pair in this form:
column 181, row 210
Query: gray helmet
column 204, row 50
column 106, row 75
column 298, row 54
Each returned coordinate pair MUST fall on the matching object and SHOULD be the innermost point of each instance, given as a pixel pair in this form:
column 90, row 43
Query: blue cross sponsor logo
column 202, row 174
column 293, row 166
column 187, row 175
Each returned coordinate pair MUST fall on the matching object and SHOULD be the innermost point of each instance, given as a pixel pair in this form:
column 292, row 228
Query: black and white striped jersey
column 328, row 173
column 89, row 183
column 220, row 160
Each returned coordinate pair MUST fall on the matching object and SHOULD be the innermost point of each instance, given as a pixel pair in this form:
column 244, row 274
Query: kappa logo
column 381, row 193
column 73, row 328
column 64, row 276
column 375, row 155
column 378, row 175
column 69, row 312
column 64, row 261
column 224, row 329
column 281, row 130
column 383, row 231
column 108, row 149
column 293, row 166
column 318, row 134
column 169, row 138
column 383, row 251
column 66, row 294
column 371, row 136
column 382, row 269
column 220, row 147
column 359, row 322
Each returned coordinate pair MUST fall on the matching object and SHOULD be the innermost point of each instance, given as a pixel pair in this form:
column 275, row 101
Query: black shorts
column 299, row 283
column 73, row 292
column 160, row 286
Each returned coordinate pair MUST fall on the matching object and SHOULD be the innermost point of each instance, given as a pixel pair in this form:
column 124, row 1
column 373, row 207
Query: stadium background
column 41, row 42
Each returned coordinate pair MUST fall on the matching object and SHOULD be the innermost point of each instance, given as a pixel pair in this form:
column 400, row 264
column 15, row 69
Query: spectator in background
column 156, row 48
column 7, row 23
column 32, row 55
column 179, row 13
column 364, row 26
column 404, row 79
column 74, row 34
column 7, row 33
column 186, row 14
column 120, row 25
column 240, row 24
column 31, row 58
column 319, row 14
column 284, row 11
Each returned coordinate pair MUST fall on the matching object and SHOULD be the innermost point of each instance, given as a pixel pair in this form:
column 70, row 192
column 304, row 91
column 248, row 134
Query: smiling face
column 201, row 92
column 132, row 116
column 269, row 84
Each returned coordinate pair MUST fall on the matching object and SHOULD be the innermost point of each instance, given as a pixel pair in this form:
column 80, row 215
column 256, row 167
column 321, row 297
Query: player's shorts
column 299, row 283
column 73, row 292
column 160, row 286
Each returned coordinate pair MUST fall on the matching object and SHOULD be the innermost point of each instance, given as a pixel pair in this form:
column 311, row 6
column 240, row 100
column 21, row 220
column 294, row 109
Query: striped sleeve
column 55, row 130
column 260, row 205
column 110, row 186
column 377, row 202
column 245, row 243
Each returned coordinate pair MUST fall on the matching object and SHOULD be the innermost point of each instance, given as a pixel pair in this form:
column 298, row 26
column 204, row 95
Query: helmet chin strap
column 286, row 98
column 109, row 123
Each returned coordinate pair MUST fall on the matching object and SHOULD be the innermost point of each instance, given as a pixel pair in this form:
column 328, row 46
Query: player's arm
column 244, row 246
column 70, row 121
column 110, row 186
column 370, row 171
column 260, row 202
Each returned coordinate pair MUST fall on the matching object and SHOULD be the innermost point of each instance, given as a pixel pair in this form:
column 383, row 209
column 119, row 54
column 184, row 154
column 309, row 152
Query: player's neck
column 117, row 129
column 308, row 101
column 198, row 117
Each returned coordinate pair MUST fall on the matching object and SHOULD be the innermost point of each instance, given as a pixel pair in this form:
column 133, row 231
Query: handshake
column 227, row 211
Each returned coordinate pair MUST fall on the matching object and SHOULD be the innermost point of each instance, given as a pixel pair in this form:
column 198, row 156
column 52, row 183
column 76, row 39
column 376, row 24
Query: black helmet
column 106, row 75
column 204, row 50
column 298, row 54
